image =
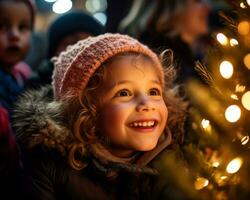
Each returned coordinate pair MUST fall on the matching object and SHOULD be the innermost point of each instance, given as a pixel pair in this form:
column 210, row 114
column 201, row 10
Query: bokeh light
column 248, row 2
column 242, row 5
column 50, row 1
column 244, row 28
column 226, row 69
column 245, row 100
column 62, row 6
column 234, row 165
column 222, row 39
column 233, row 42
column 200, row 183
column 247, row 60
column 233, row 113
column 101, row 17
column 245, row 140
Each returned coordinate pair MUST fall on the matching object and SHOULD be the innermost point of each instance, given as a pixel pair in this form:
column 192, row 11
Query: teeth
column 143, row 124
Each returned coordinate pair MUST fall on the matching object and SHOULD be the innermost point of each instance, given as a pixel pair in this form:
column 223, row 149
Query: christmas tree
column 218, row 148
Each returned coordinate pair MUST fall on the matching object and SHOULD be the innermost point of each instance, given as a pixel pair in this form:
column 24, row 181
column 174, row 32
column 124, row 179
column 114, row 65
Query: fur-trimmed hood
column 38, row 120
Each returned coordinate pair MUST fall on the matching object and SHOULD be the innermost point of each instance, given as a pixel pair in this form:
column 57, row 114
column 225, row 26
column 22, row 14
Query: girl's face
column 15, row 32
column 133, row 113
column 194, row 20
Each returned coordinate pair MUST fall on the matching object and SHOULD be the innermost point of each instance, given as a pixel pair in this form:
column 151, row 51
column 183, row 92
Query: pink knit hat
column 77, row 64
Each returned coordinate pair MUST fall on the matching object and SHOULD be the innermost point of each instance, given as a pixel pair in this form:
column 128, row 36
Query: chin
column 147, row 146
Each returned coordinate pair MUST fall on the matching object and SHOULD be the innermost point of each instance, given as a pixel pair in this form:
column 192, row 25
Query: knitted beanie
column 70, row 23
column 74, row 67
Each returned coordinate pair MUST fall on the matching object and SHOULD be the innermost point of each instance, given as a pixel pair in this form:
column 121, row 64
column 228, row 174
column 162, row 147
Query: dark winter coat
column 155, row 176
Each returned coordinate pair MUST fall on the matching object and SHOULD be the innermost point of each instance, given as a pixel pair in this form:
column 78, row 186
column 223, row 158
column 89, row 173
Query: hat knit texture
column 74, row 67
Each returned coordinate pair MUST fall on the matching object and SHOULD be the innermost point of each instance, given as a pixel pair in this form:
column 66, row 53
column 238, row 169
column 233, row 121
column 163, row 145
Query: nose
column 144, row 103
column 14, row 33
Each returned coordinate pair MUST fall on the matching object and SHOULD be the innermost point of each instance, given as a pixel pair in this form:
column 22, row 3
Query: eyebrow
column 128, row 81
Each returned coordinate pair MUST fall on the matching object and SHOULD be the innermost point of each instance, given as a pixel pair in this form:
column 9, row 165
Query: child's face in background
column 133, row 113
column 15, row 32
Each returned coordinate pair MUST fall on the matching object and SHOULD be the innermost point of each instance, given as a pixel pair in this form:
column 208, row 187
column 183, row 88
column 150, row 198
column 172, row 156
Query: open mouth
column 143, row 124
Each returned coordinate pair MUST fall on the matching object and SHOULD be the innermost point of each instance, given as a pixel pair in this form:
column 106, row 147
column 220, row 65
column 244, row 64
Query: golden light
column 244, row 28
column 234, row 165
column 245, row 100
column 205, row 123
column 216, row 164
column 226, row 69
column 222, row 39
column 248, row 2
column 200, row 183
column 245, row 140
column 234, row 96
column 223, row 177
column 233, row 113
column 233, row 42
column 247, row 60
column 240, row 88
column 242, row 5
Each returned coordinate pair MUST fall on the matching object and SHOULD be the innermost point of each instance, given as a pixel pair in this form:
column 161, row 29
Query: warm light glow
column 245, row 140
column 233, row 113
column 245, row 100
column 240, row 88
column 247, row 60
column 200, row 183
column 233, row 42
column 222, row 39
column 234, row 165
column 243, row 28
column 234, row 96
column 223, row 177
column 216, row 164
column 248, row 2
column 62, row 6
column 242, row 5
column 205, row 123
column 226, row 69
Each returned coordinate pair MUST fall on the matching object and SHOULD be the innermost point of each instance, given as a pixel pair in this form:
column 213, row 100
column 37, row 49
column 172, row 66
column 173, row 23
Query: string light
column 226, row 69
column 222, row 39
column 245, row 140
column 245, row 100
column 242, row 5
column 233, row 42
column 247, row 60
column 216, row 164
column 243, row 28
column 234, row 165
column 200, row 183
column 240, row 88
column 233, row 113
column 234, row 96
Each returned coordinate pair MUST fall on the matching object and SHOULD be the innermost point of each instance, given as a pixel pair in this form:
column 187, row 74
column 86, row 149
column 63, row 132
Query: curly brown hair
column 82, row 116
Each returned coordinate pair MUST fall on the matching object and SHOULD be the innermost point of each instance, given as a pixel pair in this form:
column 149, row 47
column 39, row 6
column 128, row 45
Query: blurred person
column 16, row 23
column 65, row 30
column 174, row 24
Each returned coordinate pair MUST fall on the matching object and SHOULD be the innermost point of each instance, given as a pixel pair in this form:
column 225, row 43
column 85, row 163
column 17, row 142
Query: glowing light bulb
column 205, row 123
column 200, row 183
column 245, row 100
column 234, row 96
column 233, row 42
column 216, row 164
column 226, row 69
column 247, row 60
column 233, row 113
column 222, row 39
column 244, row 28
column 240, row 88
column 234, row 165
column 248, row 2
column 245, row 140
column 242, row 5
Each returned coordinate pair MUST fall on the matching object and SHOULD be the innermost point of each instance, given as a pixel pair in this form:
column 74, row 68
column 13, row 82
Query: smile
column 143, row 124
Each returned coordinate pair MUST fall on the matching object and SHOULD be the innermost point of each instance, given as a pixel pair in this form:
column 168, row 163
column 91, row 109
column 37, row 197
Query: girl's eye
column 154, row 92
column 24, row 27
column 123, row 93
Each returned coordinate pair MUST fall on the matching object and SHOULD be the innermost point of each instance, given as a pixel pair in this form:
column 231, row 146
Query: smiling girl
column 113, row 113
